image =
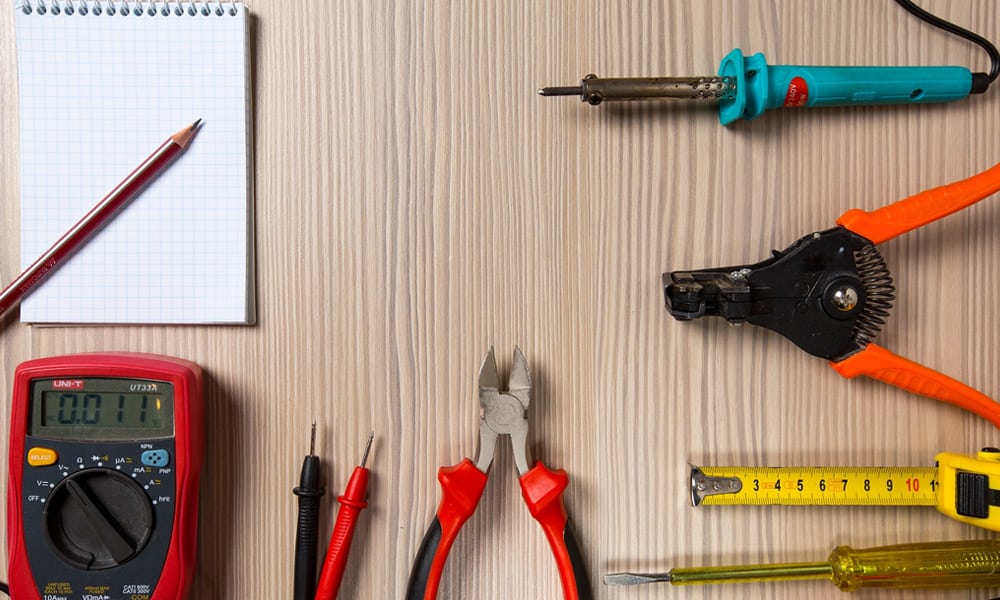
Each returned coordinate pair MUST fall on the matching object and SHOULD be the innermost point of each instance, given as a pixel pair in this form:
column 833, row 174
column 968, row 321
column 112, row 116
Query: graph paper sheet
column 102, row 85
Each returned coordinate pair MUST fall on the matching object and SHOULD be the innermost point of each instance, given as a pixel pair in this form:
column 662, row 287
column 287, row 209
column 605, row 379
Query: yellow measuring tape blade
column 815, row 486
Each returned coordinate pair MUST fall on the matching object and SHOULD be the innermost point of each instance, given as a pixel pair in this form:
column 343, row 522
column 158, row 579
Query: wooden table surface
column 418, row 202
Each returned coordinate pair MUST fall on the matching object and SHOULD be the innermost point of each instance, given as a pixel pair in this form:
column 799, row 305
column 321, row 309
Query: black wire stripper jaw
column 830, row 292
column 822, row 293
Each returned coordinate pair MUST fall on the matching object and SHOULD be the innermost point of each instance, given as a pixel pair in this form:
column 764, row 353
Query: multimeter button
column 155, row 458
column 42, row 457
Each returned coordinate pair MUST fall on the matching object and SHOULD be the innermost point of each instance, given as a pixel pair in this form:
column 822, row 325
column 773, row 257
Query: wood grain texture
column 417, row 202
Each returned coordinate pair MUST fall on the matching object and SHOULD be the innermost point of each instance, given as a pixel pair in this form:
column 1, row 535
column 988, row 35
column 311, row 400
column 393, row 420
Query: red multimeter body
column 105, row 459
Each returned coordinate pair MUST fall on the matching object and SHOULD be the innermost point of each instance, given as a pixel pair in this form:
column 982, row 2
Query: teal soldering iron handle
column 760, row 86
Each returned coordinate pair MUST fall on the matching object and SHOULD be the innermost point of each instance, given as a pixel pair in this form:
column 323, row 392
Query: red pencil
column 97, row 217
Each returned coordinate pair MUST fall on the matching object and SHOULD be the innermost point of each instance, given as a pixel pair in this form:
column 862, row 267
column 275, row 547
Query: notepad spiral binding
column 127, row 8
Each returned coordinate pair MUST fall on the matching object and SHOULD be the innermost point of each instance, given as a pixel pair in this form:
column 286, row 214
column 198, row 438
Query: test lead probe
column 309, row 493
column 746, row 86
column 351, row 504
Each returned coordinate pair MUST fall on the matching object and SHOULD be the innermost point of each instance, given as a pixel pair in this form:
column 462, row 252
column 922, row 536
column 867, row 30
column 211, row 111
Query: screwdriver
column 351, row 505
column 973, row 563
column 306, row 532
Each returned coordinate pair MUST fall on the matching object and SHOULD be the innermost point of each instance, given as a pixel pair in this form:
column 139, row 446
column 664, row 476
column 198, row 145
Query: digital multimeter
column 105, row 458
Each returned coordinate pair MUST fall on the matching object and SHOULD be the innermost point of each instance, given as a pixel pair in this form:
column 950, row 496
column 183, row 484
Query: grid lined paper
column 102, row 85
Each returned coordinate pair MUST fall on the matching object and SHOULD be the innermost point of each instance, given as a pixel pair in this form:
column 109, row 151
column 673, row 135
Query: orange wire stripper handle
column 462, row 486
column 878, row 363
column 920, row 209
column 886, row 223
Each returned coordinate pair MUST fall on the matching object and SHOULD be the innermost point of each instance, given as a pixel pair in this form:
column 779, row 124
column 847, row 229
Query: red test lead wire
column 351, row 505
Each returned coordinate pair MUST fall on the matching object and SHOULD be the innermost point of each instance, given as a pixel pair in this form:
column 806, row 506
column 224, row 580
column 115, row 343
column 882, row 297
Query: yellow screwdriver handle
column 974, row 563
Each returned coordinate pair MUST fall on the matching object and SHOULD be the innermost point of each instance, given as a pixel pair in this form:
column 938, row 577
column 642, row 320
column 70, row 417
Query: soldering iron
column 746, row 86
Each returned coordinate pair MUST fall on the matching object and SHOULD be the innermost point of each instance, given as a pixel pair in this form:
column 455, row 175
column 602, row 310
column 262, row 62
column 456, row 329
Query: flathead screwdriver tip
column 636, row 578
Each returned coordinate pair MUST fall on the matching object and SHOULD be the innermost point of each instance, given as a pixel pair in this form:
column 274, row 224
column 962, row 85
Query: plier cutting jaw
column 502, row 413
column 830, row 292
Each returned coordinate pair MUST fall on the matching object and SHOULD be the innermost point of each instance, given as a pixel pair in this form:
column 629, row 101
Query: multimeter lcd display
column 101, row 409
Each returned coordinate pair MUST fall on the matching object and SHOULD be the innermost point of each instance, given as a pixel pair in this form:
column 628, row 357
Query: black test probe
column 306, row 533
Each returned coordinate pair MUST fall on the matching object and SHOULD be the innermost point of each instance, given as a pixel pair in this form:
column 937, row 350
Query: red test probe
column 351, row 505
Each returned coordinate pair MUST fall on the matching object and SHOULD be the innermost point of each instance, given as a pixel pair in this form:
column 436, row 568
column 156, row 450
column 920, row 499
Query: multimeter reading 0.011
column 105, row 455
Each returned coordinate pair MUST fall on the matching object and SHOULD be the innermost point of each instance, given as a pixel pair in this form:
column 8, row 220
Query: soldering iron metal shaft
column 595, row 90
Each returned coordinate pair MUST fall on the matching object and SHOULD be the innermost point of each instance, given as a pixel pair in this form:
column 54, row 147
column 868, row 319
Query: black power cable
column 980, row 81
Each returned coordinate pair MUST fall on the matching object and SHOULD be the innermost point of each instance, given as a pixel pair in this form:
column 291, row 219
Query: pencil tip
column 183, row 137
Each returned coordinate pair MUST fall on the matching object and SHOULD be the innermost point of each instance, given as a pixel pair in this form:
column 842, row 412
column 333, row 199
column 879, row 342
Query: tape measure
column 966, row 488
column 104, row 458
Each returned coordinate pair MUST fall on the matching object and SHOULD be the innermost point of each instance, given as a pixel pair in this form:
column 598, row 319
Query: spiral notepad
column 101, row 84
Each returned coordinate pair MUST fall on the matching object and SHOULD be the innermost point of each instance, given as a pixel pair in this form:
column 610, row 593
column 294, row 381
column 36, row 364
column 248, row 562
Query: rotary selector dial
column 97, row 519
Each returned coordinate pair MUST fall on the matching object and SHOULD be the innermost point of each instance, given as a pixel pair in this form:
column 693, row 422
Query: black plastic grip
column 583, row 589
column 307, row 531
column 420, row 574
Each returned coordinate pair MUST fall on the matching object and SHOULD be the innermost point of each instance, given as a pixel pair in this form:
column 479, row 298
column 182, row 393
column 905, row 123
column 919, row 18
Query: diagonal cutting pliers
column 501, row 413
column 831, row 291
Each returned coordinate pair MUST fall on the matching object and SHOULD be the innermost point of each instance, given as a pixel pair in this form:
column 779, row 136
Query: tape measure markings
column 845, row 486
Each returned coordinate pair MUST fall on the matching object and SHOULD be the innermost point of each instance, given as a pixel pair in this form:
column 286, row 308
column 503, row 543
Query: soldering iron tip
column 560, row 91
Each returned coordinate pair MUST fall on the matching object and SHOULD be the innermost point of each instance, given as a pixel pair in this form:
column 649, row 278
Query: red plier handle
column 886, row 223
column 542, row 490
column 462, row 486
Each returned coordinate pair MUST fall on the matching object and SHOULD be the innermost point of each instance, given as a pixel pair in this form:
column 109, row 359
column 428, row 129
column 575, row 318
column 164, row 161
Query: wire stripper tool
column 965, row 488
column 831, row 291
column 502, row 413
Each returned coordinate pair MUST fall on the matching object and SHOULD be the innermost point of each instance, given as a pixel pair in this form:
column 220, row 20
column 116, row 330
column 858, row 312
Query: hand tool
column 104, row 467
column 963, row 487
column 830, row 292
column 307, row 529
column 502, row 413
column 974, row 563
column 97, row 217
column 351, row 505
column 746, row 86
